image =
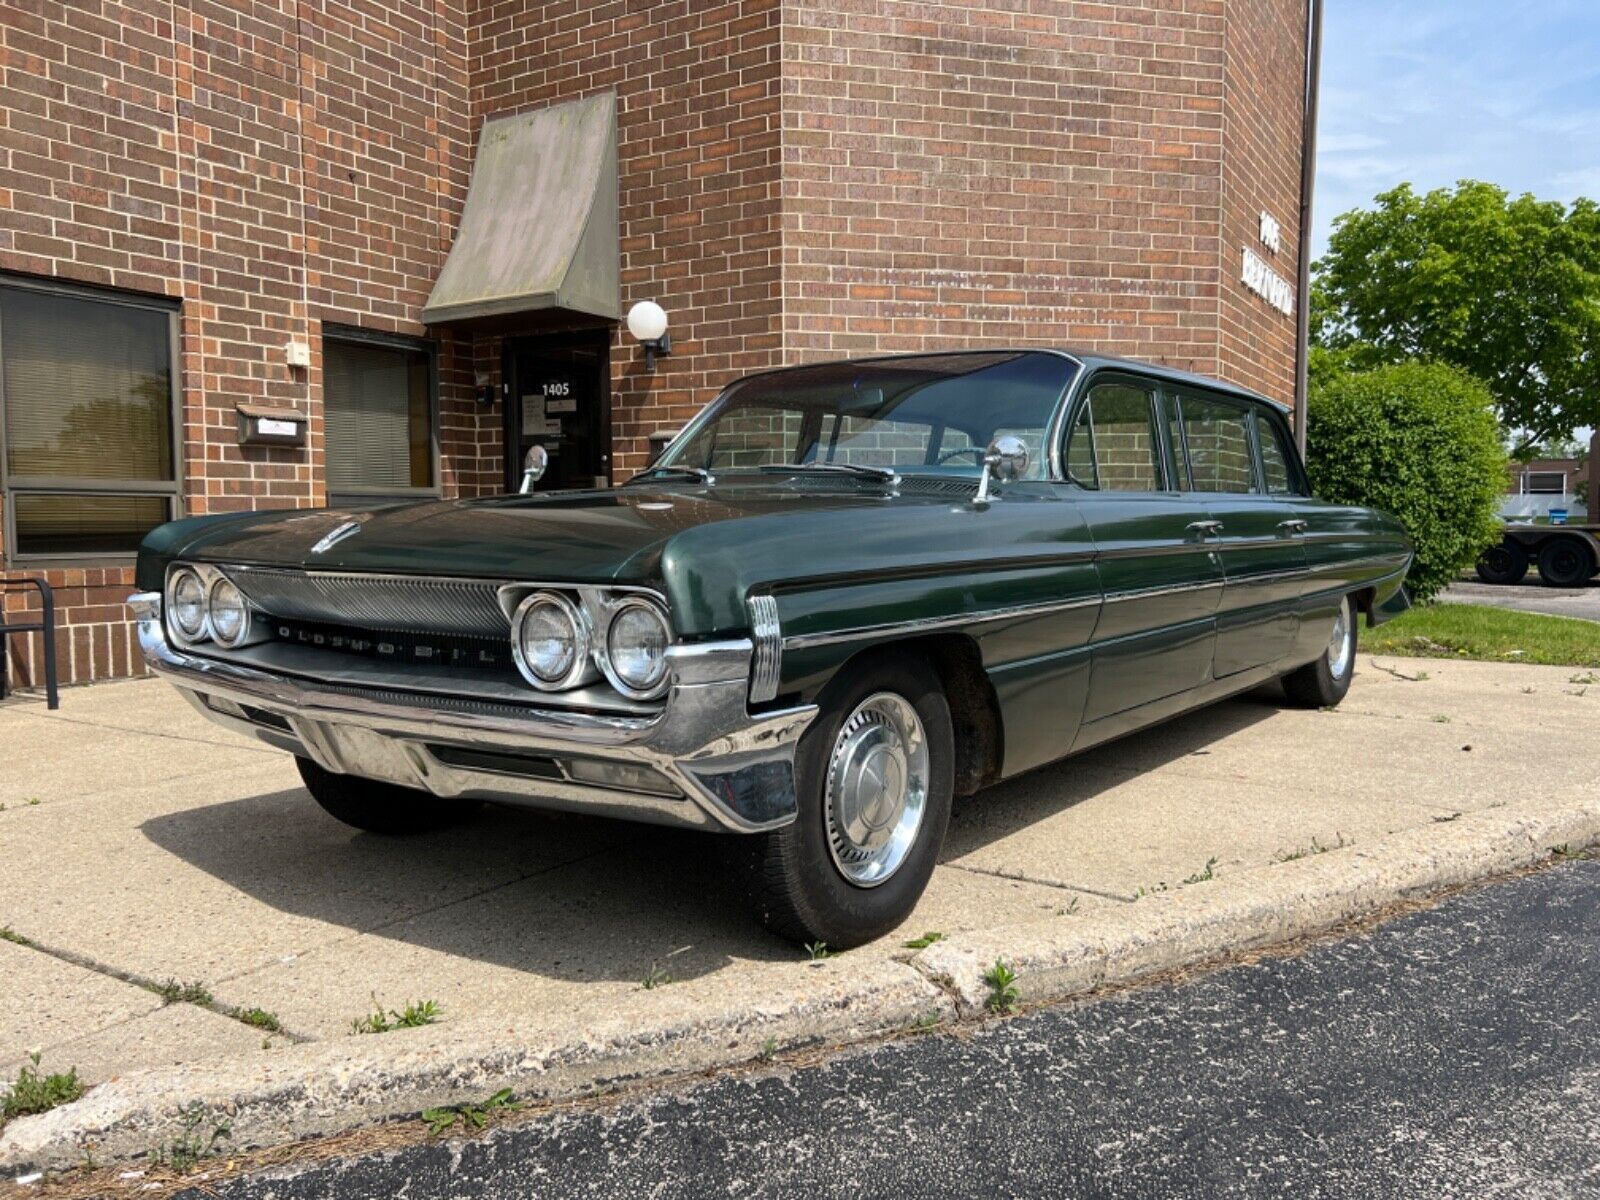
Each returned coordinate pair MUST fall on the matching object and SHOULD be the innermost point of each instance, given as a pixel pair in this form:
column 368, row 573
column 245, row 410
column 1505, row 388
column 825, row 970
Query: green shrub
column 1419, row 441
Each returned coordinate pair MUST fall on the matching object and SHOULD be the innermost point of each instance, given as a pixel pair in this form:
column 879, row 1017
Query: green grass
column 1487, row 635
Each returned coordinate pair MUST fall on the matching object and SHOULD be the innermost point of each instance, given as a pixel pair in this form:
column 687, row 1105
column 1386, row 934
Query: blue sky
column 1433, row 91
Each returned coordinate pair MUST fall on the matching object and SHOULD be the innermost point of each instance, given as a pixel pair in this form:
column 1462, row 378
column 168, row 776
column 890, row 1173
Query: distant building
column 1542, row 484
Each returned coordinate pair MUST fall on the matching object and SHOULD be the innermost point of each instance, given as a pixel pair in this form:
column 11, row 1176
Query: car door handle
column 1292, row 527
column 1205, row 528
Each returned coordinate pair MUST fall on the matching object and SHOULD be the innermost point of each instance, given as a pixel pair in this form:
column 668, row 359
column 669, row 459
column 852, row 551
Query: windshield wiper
column 700, row 473
column 888, row 475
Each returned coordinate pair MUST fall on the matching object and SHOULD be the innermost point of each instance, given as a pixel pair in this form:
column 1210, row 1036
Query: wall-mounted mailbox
column 260, row 425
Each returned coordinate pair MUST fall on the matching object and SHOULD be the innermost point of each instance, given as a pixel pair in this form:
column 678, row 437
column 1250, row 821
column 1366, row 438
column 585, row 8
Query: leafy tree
column 1506, row 289
column 1419, row 441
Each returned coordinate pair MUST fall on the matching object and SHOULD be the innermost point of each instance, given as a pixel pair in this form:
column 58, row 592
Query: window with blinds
column 378, row 416
column 86, row 395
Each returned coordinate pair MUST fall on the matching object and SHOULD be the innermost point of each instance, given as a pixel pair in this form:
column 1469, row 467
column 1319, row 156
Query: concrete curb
column 1253, row 909
column 327, row 1087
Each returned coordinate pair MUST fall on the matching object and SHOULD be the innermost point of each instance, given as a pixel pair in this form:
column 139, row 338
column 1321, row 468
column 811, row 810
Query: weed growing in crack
column 196, row 1142
column 32, row 1092
column 926, row 940
column 469, row 1115
column 1206, row 873
column 415, row 1014
column 1003, row 993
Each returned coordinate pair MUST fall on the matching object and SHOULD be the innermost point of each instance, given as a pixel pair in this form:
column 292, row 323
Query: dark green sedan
column 844, row 594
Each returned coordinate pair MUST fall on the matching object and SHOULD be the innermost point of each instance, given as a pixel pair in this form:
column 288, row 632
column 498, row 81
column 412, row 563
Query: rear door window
column 1218, row 437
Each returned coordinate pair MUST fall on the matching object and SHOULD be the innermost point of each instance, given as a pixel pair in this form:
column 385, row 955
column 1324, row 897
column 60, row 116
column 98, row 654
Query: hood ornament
column 339, row 533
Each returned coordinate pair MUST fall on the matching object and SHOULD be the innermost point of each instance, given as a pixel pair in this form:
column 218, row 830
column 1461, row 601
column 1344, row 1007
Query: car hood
column 613, row 535
column 707, row 548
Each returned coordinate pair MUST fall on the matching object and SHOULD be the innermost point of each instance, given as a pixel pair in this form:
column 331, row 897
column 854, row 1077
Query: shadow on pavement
column 583, row 899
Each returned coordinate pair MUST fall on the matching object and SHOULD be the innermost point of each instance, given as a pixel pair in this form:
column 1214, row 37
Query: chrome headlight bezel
column 662, row 676
column 582, row 634
column 218, row 582
column 176, row 576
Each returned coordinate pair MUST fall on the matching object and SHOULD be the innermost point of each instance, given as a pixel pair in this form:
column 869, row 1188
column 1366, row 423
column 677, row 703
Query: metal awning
column 538, row 235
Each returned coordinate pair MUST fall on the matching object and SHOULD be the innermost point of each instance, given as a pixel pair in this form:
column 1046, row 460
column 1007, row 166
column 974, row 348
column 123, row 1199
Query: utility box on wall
column 260, row 425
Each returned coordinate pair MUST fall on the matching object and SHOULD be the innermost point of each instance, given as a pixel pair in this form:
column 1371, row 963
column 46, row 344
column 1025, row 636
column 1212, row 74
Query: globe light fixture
column 647, row 321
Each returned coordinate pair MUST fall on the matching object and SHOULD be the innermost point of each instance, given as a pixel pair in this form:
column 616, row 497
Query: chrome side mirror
column 534, row 467
column 1005, row 460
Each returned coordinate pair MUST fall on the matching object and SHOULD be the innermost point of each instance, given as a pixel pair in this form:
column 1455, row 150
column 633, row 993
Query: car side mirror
column 534, row 467
column 1005, row 460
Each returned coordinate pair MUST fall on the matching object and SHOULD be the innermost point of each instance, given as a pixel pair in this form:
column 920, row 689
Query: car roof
column 1091, row 361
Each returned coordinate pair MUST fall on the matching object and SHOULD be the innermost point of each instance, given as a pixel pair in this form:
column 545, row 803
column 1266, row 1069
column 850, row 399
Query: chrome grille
column 404, row 604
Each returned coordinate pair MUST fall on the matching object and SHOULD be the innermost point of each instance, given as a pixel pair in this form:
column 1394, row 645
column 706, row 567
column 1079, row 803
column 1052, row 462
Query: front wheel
column 379, row 807
column 874, row 776
column 1323, row 683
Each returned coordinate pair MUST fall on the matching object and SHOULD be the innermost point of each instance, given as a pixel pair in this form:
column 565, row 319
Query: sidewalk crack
column 1019, row 877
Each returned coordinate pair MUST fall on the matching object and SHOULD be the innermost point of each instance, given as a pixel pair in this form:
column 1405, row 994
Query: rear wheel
column 1503, row 564
column 1323, row 683
column 381, row 807
column 1565, row 562
column 874, row 777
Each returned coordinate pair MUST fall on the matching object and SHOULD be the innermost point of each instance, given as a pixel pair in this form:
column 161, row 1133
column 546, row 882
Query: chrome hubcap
column 1340, row 650
column 877, row 789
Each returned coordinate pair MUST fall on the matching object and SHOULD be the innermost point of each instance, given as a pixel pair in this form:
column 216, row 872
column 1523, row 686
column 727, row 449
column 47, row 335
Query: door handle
column 1205, row 528
column 1292, row 527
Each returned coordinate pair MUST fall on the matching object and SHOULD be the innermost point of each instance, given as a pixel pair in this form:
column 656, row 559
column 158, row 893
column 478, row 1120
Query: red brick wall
column 1262, row 123
column 698, row 150
column 1045, row 173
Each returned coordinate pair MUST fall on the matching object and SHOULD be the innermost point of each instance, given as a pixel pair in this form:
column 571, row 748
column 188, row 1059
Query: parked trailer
column 1566, row 555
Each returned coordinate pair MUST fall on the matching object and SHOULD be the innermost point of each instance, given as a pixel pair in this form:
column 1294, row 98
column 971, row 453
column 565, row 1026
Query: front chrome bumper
column 703, row 761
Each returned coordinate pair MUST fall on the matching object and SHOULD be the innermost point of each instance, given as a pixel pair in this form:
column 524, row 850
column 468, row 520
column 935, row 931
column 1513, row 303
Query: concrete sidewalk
column 139, row 845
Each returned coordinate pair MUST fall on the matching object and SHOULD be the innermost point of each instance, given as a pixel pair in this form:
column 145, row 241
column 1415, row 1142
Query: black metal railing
column 46, row 626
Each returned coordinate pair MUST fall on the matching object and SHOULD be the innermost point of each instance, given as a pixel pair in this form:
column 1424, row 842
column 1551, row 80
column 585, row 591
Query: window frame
column 12, row 485
column 1246, row 409
column 352, row 335
column 1300, row 486
column 1152, row 388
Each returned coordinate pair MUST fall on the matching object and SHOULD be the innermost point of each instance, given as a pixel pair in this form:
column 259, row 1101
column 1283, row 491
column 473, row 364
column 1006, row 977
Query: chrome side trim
column 767, row 663
column 804, row 641
column 1151, row 593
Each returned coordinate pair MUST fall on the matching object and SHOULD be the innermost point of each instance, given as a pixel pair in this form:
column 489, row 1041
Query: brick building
column 225, row 224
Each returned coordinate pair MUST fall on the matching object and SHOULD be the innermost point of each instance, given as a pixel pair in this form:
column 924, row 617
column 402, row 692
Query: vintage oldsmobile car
column 844, row 594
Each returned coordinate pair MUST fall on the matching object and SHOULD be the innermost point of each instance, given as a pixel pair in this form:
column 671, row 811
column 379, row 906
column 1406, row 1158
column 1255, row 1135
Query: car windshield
column 935, row 414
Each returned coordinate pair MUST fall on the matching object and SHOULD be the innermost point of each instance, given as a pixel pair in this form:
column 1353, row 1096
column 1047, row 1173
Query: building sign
column 1259, row 276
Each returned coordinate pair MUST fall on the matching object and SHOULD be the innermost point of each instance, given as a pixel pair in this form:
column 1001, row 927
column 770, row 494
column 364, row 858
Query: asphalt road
column 1450, row 1053
column 1529, row 596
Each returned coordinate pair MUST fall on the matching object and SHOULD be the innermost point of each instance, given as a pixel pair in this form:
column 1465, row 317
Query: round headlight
column 230, row 617
column 549, row 640
column 188, row 596
column 636, row 645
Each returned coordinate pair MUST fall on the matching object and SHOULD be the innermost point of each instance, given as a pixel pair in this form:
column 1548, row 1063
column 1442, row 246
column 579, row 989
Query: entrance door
column 558, row 396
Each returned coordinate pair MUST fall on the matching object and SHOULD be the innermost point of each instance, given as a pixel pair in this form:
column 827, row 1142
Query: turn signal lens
column 636, row 645
column 188, row 606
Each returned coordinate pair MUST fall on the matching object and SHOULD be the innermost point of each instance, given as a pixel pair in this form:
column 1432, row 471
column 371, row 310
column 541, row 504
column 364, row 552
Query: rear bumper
column 703, row 761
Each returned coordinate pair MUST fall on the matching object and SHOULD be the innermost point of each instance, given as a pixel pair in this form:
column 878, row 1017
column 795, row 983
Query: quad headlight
column 228, row 613
column 186, row 604
column 550, row 641
column 636, row 649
